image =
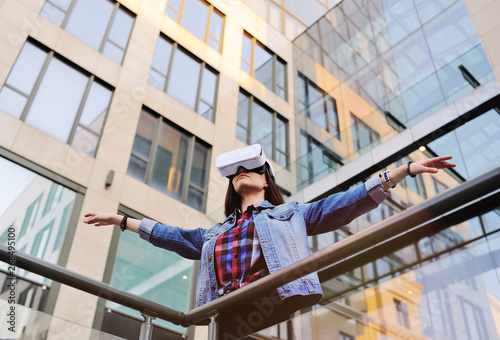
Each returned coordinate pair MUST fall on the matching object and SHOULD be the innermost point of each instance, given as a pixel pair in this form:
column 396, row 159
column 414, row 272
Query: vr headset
column 251, row 158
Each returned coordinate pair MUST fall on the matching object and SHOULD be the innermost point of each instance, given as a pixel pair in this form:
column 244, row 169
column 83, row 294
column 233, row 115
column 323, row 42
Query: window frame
column 43, row 72
column 275, row 116
column 150, row 161
column 356, row 142
column 402, row 315
column 332, row 127
column 211, row 9
column 116, row 7
column 276, row 59
column 203, row 66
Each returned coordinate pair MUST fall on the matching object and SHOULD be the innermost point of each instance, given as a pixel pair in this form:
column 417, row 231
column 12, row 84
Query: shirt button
column 210, row 258
column 212, row 287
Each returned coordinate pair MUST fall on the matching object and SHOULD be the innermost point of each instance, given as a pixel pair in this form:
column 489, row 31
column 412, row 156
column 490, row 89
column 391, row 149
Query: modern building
column 123, row 106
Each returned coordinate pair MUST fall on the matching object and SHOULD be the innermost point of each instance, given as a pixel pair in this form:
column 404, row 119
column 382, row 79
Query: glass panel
column 200, row 165
column 207, row 92
column 121, row 28
column 157, row 80
column 281, row 78
column 450, row 35
column 137, row 168
column 246, row 53
column 491, row 220
column 262, row 128
column 57, row 100
column 96, row 107
column 401, row 19
column 145, row 134
column 92, row 31
column 316, row 108
column 113, row 52
column 184, row 78
column 171, row 13
column 27, row 68
column 85, row 141
column 216, row 24
column 195, row 199
column 243, row 110
column 195, row 16
column 35, row 232
column 263, row 66
column 242, row 134
column 166, row 278
column 411, row 60
column 475, row 145
column 429, row 9
column 12, row 102
column 170, row 161
column 161, row 58
column 53, row 14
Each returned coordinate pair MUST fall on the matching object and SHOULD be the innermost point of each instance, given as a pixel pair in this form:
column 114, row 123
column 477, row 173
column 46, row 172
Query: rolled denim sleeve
column 146, row 229
column 185, row 242
column 376, row 190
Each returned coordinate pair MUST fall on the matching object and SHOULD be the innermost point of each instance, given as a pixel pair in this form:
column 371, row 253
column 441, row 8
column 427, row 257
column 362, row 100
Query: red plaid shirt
column 238, row 255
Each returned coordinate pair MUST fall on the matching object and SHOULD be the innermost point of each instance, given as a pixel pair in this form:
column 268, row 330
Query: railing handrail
column 92, row 286
column 397, row 224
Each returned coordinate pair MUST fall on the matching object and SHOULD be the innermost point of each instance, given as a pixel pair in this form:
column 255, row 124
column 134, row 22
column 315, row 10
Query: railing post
column 146, row 327
column 212, row 328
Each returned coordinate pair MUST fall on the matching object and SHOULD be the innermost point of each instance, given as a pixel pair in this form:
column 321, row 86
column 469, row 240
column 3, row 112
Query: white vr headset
column 252, row 158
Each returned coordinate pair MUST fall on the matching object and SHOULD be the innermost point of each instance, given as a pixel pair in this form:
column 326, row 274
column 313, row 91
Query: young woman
column 262, row 234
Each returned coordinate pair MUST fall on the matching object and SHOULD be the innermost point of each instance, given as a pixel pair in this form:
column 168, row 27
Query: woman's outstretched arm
column 431, row 165
column 101, row 219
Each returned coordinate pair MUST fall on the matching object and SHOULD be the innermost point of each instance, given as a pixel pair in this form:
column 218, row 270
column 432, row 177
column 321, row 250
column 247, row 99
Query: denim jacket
column 282, row 232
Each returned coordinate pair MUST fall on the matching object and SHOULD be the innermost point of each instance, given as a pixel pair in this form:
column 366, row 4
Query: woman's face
column 247, row 182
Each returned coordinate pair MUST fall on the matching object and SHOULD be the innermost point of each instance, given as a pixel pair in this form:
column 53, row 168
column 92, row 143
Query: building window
column 344, row 336
column 402, row 313
column 57, row 98
column 184, row 77
column 170, row 160
column 318, row 105
column 200, row 18
column 159, row 271
column 316, row 161
column 473, row 321
column 33, row 215
column 102, row 24
column 259, row 124
column 264, row 65
column 362, row 134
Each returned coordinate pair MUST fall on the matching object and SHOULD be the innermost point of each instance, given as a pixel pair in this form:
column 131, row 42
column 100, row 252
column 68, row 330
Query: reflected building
column 127, row 113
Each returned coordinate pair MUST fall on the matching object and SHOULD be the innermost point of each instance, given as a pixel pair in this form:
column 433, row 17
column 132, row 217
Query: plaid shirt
column 238, row 255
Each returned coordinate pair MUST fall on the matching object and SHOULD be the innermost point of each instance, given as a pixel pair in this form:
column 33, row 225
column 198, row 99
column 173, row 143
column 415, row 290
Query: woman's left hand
column 431, row 165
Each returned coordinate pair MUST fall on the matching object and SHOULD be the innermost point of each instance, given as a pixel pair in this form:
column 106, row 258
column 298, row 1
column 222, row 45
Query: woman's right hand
column 100, row 219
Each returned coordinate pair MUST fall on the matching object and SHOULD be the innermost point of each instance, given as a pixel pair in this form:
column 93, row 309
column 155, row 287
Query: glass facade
column 57, row 98
column 183, row 77
column 388, row 67
column 108, row 31
column 35, row 215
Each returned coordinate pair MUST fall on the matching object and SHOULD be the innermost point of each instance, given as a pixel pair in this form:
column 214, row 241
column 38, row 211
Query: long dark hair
column 272, row 195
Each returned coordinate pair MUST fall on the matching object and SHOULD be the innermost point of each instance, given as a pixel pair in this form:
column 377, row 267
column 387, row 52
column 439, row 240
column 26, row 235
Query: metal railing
column 446, row 202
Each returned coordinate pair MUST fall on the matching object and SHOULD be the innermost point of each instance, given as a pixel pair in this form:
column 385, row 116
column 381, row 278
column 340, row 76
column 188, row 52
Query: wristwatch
column 387, row 179
column 123, row 224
